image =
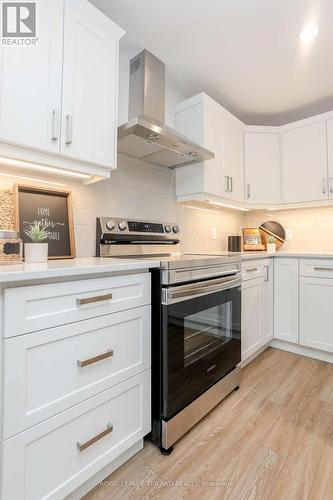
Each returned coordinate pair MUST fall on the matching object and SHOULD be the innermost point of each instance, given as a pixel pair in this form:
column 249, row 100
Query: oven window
column 206, row 330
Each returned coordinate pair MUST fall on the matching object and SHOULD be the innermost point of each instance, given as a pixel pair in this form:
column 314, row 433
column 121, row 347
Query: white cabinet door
column 262, row 168
column 233, row 159
column 89, row 84
column 330, row 155
column 207, row 123
column 268, row 303
column 30, row 83
column 316, row 305
column 304, row 163
column 286, row 299
column 51, row 370
column 54, row 458
column 252, row 319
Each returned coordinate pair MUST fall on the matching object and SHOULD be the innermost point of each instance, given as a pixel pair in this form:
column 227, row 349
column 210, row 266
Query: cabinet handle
column 92, row 300
column 331, row 185
column 267, row 273
column 226, row 184
column 83, row 446
column 95, row 359
column 248, row 191
column 251, row 269
column 69, row 129
column 231, row 185
column 323, row 268
column 324, row 185
column 54, row 136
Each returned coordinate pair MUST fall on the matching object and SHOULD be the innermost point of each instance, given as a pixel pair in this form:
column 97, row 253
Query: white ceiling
column 246, row 54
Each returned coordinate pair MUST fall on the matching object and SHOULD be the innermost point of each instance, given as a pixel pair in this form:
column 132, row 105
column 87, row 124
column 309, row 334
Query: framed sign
column 51, row 209
column 252, row 239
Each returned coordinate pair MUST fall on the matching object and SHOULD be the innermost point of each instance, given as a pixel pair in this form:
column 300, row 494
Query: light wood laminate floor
column 273, row 439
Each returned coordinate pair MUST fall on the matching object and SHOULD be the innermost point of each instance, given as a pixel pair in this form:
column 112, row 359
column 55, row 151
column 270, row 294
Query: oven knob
column 110, row 225
column 122, row 226
column 175, row 229
column 168, row 229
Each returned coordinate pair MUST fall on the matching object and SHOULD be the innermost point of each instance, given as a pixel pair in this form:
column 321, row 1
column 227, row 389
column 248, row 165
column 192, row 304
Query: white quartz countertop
column 71, row 267
column 94, row 265
column 282, row 253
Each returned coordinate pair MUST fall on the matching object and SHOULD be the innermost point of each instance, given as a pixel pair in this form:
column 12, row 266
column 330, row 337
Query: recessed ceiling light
column 309, row 33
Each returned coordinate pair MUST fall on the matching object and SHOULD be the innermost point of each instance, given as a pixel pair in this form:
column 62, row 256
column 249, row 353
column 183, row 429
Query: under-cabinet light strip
column 225, row 205
column 9, row 162
column 35, row 179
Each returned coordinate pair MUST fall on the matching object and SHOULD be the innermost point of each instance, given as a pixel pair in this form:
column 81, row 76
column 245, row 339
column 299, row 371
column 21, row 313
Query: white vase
column 271, row 247
column 36, row 252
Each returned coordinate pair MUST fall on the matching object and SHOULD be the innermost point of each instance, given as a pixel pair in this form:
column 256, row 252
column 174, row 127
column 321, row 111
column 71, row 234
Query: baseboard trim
column 303, row 351
column 254, row 355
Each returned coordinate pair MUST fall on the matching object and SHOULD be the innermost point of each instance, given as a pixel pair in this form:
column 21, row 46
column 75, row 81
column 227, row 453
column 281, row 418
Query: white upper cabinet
column 304, row 163
column 233, row 159
column 90, row 76
column 60, row 97
column 205, row 122
column 30, row 85
column 330, row 156
column 262, row 168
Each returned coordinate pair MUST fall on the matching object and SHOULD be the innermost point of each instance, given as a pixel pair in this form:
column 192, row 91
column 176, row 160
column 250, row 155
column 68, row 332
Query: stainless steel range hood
column 145, row 136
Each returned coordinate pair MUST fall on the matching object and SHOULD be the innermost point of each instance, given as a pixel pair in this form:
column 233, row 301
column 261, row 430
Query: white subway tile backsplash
column 137, row 190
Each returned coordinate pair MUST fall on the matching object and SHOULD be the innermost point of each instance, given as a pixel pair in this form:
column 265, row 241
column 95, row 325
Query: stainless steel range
column 196, row 322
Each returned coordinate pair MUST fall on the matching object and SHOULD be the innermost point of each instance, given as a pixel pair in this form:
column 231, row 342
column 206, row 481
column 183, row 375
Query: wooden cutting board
column 272, row 228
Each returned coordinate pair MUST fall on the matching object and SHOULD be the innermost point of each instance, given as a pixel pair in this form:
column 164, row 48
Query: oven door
column 201, row 330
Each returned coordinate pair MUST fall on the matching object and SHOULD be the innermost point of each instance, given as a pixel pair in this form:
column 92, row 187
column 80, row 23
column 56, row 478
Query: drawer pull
column 323, row 268
column 95, row 359
column 108, row 430
column 251, row 269
column 93, row 300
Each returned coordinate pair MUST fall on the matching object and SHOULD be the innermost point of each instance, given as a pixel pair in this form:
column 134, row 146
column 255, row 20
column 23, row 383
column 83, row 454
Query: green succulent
column 36, row 233
column 271, row 239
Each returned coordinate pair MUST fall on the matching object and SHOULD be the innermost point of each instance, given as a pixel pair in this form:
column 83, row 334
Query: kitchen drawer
column 49, row 371
column 46, row 462
column 318, row 268
column 254, row 269
column 32, row 308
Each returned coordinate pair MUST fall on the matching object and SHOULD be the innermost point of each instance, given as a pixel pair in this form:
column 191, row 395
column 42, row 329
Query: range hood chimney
column 145, row 136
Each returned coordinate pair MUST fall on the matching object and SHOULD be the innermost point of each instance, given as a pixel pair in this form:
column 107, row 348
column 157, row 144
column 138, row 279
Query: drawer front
column 49, row 371
column 32, row 308
column 253, row 269
column 319, row 268
column 54, row 458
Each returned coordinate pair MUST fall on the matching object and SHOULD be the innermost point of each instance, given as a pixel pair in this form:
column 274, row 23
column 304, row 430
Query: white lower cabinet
column 50, row 460
column 316, row 306
column 252, row 308
column 286, row 299
column 268, row 302
column 76, row 384
column 49, row 371
column 257, row 306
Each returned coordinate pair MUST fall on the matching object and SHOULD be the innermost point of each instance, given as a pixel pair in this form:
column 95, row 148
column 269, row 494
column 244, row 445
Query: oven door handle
column 184, row 292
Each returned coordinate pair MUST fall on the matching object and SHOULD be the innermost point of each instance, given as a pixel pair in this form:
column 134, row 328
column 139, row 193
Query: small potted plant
column 270, row 244
column 37, row 251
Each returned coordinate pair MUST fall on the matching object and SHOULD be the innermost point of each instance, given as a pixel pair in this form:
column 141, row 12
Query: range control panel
column 114, row 225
